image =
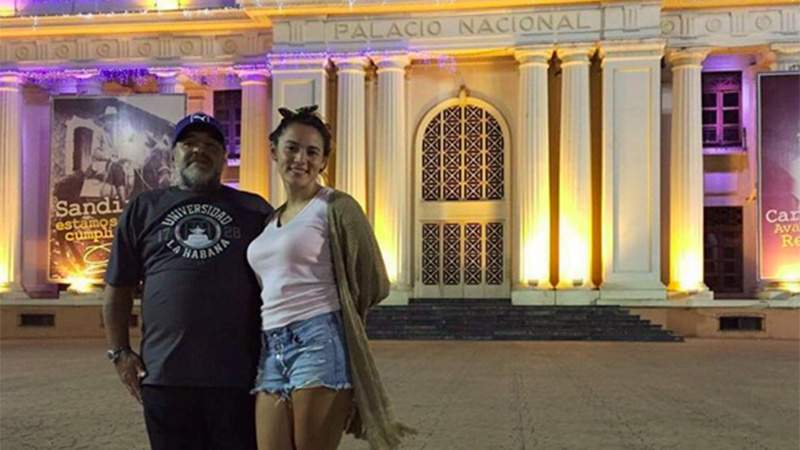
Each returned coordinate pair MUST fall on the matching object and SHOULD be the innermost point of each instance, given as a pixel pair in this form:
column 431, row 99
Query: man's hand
column 130, row 369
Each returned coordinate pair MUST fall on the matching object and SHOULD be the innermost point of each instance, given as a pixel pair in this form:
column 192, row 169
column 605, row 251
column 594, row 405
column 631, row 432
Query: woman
column 320, row 270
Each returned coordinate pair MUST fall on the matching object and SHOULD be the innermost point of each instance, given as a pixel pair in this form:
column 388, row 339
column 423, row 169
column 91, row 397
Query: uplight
column 166, row 5
column 80, row 285
column 7, row 8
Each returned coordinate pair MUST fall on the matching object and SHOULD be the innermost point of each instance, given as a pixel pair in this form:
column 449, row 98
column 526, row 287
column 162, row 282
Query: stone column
column 254, row 164
column 88, row 82
column 199, row 99
column 351, row 161
column 36, row 192
column 532, row 180
column 787, row 56
column 296, row 82
column 575, row 178
column 631, row 186
column 392, row 168
column 167, row 80
column 686, row 173
column 10, row 183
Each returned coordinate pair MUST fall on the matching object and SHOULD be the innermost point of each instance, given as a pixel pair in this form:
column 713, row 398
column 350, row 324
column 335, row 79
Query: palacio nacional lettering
column 472, row 26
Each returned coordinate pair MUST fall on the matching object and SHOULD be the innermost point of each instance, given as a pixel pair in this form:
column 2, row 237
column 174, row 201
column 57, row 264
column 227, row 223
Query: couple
column 210, row 257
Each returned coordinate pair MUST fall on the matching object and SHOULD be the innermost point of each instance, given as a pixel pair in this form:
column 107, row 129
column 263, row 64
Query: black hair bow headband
column 288, row 113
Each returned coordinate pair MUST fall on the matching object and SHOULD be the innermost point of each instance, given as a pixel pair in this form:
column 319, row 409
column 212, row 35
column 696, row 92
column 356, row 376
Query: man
column 200, row 301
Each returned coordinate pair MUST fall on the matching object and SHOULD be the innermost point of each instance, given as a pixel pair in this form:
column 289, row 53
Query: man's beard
column 193, row 178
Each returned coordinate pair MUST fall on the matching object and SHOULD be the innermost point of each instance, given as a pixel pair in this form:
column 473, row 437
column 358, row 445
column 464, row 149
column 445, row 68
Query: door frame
column 449, row 211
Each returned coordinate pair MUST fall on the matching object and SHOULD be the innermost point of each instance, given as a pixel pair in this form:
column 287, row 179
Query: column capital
column 11, row 81
column 84, row 74
column 250, row 75
column 570, row 54
column 167, row 79
column 785, row 48
column 686, row 57
column 290, row 62
column 787, row 56
column 350, row 63
column 391, row 61
column 165, row 72
column 87, row 81
column 645, row 49
column 538, row 55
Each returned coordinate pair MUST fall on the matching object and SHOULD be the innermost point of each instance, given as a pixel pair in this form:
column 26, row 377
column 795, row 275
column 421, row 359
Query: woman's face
column 300, row 155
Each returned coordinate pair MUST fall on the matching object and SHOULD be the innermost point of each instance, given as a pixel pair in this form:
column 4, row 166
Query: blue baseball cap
column 198, row 122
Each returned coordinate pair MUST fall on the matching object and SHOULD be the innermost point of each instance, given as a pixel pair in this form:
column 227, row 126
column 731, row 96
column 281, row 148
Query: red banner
column 779, row 176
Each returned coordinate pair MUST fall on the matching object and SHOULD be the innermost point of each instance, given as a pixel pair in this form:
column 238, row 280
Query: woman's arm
column 366, row 272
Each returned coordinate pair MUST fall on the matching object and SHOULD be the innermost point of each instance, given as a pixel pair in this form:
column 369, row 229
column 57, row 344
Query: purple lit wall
column 728, row 187
column 62, row 7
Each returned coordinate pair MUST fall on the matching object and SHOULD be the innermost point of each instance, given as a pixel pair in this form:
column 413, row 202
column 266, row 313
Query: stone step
column 535, row 337
column 498, row 319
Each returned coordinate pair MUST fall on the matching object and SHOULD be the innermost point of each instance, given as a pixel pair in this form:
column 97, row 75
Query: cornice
column 731, row 27
column 241, row 36
column 206, row 21
column 141, row 50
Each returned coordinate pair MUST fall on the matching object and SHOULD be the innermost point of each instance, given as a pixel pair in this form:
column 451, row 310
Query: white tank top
column 294, row 267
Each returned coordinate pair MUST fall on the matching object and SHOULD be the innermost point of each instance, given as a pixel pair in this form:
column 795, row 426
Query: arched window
column 462, row 156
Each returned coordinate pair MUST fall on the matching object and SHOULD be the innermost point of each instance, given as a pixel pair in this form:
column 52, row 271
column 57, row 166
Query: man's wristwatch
column 113, row 354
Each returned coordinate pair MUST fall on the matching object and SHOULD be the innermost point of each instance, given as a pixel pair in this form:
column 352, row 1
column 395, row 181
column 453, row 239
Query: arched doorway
column 462, row 229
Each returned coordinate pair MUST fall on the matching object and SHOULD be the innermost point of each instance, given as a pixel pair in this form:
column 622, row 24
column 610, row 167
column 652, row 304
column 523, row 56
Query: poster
column 103, row 152
column 779, row 176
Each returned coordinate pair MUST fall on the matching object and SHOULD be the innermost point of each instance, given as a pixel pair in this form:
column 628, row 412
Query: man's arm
column 117, row 306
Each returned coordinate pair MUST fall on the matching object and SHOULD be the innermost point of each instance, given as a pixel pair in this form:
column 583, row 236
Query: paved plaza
column 701, row 394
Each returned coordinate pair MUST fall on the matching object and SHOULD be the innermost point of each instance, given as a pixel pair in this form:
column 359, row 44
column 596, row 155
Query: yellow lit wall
column 534, row 265
column 687, row 267
column 574, row 250
column 386, row 242
column 4, row 277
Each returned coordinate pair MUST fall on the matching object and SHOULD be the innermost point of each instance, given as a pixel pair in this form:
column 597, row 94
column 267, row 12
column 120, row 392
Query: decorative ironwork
column 473, row 153
column 494, row 253
column 495, row 161
column 432, row 160
column 470, row 253
column 463, row 156
column 473, row 243
column 451, row 263
column 431, row 254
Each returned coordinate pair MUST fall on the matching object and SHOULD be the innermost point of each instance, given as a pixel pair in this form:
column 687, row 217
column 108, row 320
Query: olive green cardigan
column 362, row 283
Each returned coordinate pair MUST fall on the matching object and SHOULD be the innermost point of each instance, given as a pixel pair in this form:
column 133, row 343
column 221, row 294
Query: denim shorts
column 305, row 354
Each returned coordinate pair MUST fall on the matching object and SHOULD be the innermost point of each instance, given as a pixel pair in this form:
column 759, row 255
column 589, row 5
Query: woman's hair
column 307, row 115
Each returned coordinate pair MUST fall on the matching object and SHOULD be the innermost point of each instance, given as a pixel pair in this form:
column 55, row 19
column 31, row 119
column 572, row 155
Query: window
column 463, row 156
column 722, row 109
column 723, row 253
column 37, row 320
column 741, row 323
column 228, row 111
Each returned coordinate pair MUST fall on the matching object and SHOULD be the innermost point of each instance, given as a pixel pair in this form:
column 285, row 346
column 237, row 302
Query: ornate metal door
column 462, row 231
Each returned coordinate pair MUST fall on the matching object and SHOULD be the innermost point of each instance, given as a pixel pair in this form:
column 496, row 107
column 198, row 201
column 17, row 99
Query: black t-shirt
column 200, row 305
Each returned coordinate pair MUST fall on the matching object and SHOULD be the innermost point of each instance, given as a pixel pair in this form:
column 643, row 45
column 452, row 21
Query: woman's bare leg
column 319, row 417
column 274, row 429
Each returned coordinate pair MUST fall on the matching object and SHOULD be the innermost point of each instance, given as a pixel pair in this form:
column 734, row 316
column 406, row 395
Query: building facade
column 562, row 152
